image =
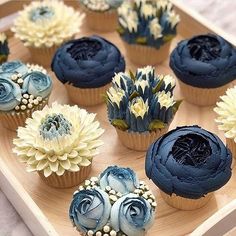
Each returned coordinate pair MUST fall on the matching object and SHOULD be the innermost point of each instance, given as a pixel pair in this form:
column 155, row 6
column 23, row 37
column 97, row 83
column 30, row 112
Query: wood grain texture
column 54, row 203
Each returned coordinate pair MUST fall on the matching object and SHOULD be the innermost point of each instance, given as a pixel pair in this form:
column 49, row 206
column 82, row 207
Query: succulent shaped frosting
column 58, row 139
column 4, row 49
column 101, row 5
column 47, row 23
column 23, row 86
column 98, row 210
column 226, row 111
column 147, row 22
column 141, row 102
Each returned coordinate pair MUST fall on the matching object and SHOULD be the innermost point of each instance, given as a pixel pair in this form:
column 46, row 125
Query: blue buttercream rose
column 10, row 95
column 123, row 180
column 13, row 67
column 132, row 215
column 37, row 84
column 90, row 209
column 114, row 3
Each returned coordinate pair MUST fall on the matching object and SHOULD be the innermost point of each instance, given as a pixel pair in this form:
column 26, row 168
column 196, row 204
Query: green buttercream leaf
column 131, row 74
column 176, row 105
column 168, row 37
column 3, row 58
column 156, row 124
column 120, row 124
column 120, row 30
column 134, row 95
column 141, row 40
column 105, row 98
column 157, row 87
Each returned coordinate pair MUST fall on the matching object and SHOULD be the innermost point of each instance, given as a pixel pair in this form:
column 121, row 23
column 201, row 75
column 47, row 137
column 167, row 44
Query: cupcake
column 101, row 15
column 44, row 25
column 4, row 49
column 226, row 111
column 86, row 67
column 188, row 164
column 23, row 90
column 147, row 28
column 59, row 143
column 204, row 65
column 141, row 106
column 114, row 204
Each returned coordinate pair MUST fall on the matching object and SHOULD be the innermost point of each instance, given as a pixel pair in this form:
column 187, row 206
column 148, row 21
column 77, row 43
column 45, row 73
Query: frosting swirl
column 89, row 62
column 189, row 161
column 204, row 61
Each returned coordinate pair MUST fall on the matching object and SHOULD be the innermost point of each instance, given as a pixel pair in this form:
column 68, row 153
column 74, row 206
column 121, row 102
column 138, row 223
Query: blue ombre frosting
column 41, row 13
column 89, row 62
column 204, row 61
column 188, row 161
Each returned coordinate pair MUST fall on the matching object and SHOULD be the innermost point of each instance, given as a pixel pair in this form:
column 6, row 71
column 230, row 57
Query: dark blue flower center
column 41, row 13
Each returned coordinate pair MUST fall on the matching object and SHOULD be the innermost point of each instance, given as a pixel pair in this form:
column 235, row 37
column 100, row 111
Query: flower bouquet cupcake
column 226, row 111
column 114, row 204
column 141, row 106
column 23, row 90
column 204, row 65
column 101, row 15
column 147, row 28
column 44, row 25
column 4, row 49
column 59, row 143
column 86, row 67
column 188, row 164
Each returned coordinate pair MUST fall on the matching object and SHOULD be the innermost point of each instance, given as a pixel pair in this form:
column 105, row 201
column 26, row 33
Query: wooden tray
column 45, row 209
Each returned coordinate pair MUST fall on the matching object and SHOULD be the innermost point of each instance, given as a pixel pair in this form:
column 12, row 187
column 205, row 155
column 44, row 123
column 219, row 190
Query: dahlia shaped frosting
column 204, row 61
column 58, row 139
column 226, row 111
column 147, row 22
column 101, row 5
column 4, row 49
column 141, row 102
column 115, row 203
column 189, row 162
column 23, row 86
column 88, row 62
column 46, row 23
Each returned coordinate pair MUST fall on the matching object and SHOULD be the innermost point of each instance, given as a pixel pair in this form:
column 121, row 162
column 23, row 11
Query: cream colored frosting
column 3, row 37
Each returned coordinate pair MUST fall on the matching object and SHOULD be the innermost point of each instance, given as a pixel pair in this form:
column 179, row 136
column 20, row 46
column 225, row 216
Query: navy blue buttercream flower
column 90, row 209
column 204, row 61
column 89, row 62
column 123, row 180
column 4, row 49
column 132, row 215
column 189, row 161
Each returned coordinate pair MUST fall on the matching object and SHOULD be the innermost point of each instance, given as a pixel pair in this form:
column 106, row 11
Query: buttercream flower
column 132, row 214
column 165, row 99
column 41, row 24
column 189, row 162
column 4, row 49
column 90, row 209
column 10, row 94
column 138, row 107
column 13, row 67
column 155, row 29
column 123, row 180
column 115, row 96
column 101, row 5
column 58, row 139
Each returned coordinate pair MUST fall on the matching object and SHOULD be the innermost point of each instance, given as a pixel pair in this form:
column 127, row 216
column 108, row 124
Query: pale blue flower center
column 41, row 13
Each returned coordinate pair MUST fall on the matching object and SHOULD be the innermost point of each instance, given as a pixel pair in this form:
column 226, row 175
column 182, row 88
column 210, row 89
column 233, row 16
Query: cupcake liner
column 232, row 146
column 101, row 21
column 86, row 96
column 139, row 141
column 202, row 96
column 146, row 55
column 185, row 203
column 68, row 179
column 12, row 120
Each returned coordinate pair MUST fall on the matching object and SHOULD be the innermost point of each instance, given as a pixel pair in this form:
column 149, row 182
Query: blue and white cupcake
column 4, row 49
column 101, row 15
column 141, row 106
column 23, row 89
column 205, row 66
column 86, row 67
column 116, row 203
column 188, row 164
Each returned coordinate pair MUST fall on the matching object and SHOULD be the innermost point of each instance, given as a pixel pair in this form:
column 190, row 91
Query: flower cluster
column 101, row 5
column 226, row 110
column 141, row 102
column 41, row 23
column 116, row 203
column 57, row 139
column 23, row 86
column 4, row 49
column 147, row 22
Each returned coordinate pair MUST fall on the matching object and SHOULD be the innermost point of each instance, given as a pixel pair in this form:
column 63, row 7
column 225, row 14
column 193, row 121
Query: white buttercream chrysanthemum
column 226, row 110
column 47, row 23
column 58, row 139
